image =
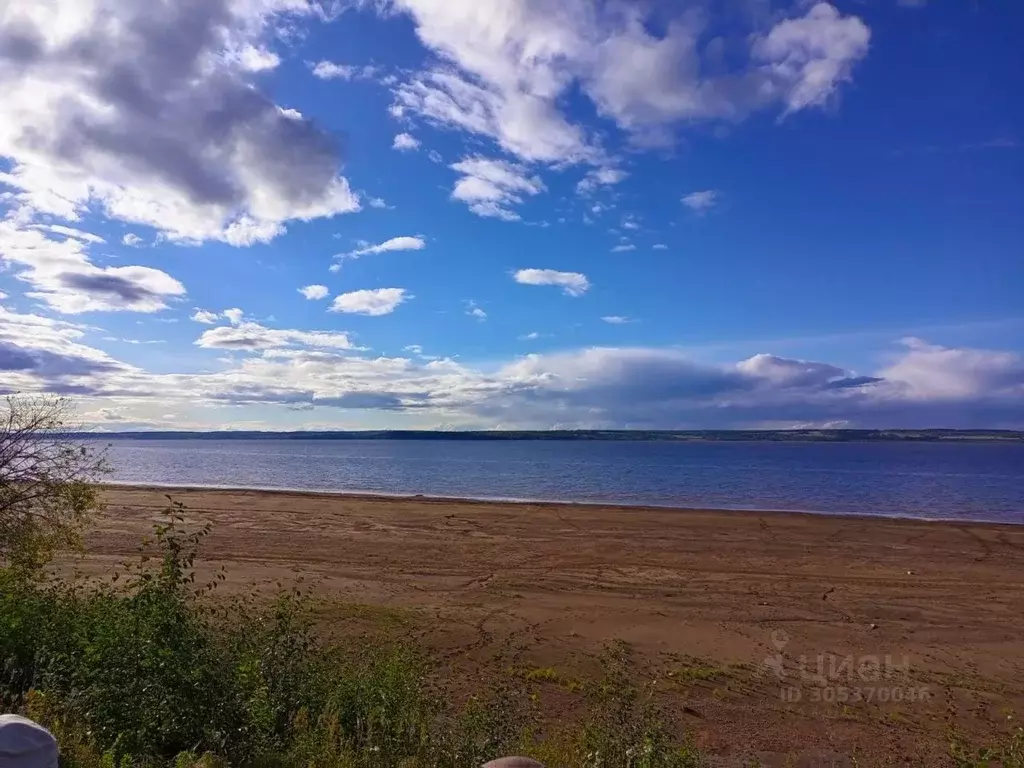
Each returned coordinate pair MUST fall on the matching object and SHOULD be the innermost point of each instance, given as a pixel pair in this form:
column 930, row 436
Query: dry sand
column 702, row 597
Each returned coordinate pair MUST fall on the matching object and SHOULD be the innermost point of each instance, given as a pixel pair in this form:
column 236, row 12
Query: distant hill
column 716, row 435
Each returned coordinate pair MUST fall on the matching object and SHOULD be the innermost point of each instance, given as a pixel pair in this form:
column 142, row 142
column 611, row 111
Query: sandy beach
column 751, row 601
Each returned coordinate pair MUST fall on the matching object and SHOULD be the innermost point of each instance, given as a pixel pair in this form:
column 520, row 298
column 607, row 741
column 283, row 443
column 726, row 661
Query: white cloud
column 253, row 59
column 490, row 187
column 660, row 247
column 154, row 120
column 571, row 283
column 405, row 142
column 474, row 311
column 403, row 243
column 373, row 302
column 600, row 177
column 617, row 319
column 524, row 124
column 62, row 275
column 531, row 336
column 204, row 316
column 506, row 74
column 783, row 371
column 929, row 371
column 435, row 156
column 329, row 70
column 135, row 342
column 924, row 385
column 234, row 315
column 244, row 336
column 77, row 234
column 701, row 202
column 376, row 202
column 131, row 240
column 809, row 57
column 416, row 349
column 623, row 247
column 313, row 292
column 40, row 353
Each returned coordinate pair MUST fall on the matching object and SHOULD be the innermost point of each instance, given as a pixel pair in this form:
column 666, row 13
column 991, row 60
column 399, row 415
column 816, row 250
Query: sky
column 514, row 214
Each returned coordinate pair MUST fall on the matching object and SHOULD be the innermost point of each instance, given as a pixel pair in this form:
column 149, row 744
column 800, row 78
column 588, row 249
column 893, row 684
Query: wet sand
column 716, row 591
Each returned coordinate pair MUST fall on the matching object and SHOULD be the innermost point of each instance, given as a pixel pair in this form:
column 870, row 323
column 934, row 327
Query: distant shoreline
column 679, row 436
column 551, row 504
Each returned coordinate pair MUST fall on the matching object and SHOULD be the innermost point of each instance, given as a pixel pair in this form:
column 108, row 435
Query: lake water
column 979, row 481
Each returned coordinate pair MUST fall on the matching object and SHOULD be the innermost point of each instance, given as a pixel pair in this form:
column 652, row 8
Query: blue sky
column 290, row 214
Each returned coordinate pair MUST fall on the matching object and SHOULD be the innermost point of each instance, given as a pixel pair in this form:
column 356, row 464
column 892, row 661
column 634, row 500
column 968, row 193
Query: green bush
column 141, row 670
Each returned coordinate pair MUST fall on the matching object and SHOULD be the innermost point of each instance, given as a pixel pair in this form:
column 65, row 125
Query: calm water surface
column 980, row 481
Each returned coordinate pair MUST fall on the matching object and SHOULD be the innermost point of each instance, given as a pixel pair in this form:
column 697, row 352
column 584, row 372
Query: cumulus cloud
column 405, row 142
column 328, row 70
column 623, row 247
column 506, row 75
column 244, row 336
column 474, row 311
column 928, row 371
column 616, row 319
column 234, row 315
column 251, row 58
column 131, row 240
column 63, row 276
column 924, row 385
column 783, row 371
column 807, row 58
column 701, row 202
column 571, row 283
column 42, row 353
column 648, row 388
column 526, row 124
column 314, row 292
column 373, row 302
column 490, row 187
column 659, row 247
column 600, row 177
column 154, row 119
column 204, row 316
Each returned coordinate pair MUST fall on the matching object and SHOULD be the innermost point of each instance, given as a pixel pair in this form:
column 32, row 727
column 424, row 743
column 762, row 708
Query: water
column 967, row 481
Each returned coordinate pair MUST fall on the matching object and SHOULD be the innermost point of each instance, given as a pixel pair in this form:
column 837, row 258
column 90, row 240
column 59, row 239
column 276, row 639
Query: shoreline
column 557, row 504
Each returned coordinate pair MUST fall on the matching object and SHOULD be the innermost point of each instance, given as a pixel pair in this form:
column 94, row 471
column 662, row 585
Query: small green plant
column 626, row 727
column 543, row 675
column 1007, row 755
